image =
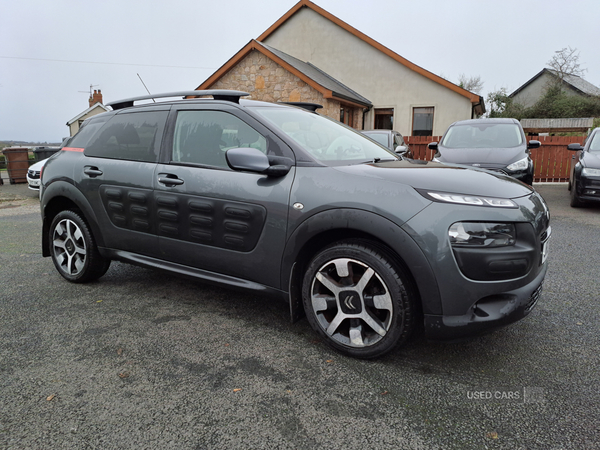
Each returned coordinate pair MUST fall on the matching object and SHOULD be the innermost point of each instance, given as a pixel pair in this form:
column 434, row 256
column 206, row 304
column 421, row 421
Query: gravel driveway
column 142, row 359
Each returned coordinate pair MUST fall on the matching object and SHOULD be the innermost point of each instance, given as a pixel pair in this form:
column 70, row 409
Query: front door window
column 203, row 137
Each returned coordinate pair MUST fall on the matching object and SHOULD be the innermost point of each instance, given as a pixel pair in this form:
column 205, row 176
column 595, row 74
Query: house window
column 422, row 122
column 384, row 119
column 347, row 116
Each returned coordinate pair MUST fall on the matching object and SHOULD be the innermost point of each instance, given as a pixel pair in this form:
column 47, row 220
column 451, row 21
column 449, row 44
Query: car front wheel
column 575, row 200
column 357, row 299
column 74, row 250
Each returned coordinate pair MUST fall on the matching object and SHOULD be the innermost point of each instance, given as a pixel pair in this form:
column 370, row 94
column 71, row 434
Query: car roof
column 485, row 121
column 377, row 131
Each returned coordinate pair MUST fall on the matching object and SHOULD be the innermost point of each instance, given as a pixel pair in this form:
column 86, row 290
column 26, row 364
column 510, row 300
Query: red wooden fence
column 552, row 161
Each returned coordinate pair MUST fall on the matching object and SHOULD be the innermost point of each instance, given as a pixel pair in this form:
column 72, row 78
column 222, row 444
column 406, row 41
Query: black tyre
column 575, row 201
column 74, row 250
column 357, row 300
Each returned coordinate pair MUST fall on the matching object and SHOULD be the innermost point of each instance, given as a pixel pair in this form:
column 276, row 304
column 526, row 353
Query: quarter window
column 134, row 137
column 398, row 140
column 203, row 137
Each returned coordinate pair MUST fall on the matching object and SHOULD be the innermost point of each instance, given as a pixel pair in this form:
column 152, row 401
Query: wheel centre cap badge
column 350, row 302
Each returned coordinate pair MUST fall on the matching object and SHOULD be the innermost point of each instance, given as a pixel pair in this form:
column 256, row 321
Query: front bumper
column 33, row 179
column 482, row 290
column 33, row 184
column 487, row 314
column 588, row 188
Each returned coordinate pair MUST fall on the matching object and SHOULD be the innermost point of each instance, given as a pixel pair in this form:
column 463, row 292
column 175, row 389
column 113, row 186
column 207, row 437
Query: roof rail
column 304, row 105
column 218, row 94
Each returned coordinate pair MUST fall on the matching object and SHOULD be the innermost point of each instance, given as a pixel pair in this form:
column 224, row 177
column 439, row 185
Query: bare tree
column 566, row 62
column 472, row 84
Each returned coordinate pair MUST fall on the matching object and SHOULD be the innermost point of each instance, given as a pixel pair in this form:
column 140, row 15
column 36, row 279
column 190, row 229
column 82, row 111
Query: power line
column 106, row 63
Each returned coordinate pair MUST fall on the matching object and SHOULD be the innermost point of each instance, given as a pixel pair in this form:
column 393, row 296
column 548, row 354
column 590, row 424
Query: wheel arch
column 58, row 197
column 330, row 226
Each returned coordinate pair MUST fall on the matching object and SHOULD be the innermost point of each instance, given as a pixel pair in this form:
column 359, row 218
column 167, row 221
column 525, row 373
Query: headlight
column 482, row 234
column 521, row 164
column 591, row 172
column 473, row 200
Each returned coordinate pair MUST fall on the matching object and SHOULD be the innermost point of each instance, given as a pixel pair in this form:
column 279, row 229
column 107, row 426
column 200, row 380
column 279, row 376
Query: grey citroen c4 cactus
column 280, row 200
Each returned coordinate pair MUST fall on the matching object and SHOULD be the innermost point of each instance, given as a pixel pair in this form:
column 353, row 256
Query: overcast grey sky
column 50, row 50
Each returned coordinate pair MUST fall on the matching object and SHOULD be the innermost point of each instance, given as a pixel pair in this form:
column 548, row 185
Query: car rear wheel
column 357, row 299
column 74, row 250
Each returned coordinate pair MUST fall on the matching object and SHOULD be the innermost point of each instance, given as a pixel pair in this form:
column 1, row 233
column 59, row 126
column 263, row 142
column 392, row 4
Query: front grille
column 33, row 174
column 535, row 296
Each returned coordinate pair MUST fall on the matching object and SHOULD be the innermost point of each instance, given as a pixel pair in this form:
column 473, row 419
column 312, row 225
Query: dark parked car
column 584, row 179
column 493, row 144
column 390, row 139
column 280, row 200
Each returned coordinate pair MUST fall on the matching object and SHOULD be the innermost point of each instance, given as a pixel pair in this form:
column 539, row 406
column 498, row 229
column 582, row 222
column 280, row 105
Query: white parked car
column 34, row 174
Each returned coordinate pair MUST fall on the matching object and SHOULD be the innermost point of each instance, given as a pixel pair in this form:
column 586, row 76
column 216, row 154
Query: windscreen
column 327, row 140
column 481, row 135
column 595, row 144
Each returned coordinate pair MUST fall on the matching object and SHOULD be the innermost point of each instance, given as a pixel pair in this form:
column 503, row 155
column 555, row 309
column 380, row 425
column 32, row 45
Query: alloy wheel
column 351, row 302
column 69, row 247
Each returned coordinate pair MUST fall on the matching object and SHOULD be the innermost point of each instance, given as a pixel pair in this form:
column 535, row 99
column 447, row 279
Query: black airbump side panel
column 129, row 208
column 208, row 221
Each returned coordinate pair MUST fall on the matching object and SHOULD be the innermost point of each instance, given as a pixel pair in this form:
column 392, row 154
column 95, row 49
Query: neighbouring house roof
column 475, row 99
column 556, row 125
column 82, row 114
column 575, row 82
column 310, row 74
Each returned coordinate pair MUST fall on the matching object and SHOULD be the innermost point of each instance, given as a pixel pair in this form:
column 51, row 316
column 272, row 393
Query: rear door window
column 133, row 137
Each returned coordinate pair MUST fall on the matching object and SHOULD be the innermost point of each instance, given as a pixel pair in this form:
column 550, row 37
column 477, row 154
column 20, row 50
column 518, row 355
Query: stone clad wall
column 267, row 81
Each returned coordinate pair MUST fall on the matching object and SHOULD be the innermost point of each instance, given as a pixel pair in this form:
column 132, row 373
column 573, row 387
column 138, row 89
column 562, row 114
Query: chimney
column 96, row 97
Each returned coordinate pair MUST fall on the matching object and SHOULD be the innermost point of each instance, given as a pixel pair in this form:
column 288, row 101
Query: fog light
column 482, row 234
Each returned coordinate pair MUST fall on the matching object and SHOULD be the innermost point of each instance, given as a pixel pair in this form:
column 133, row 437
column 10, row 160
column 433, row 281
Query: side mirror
column 432, row 145
column 534, row 144
column 574, row 147
column 401, row 150
column 253, row 160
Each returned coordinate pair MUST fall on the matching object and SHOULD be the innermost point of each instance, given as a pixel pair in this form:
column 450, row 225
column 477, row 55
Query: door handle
column 169, row 179
column 92, row 171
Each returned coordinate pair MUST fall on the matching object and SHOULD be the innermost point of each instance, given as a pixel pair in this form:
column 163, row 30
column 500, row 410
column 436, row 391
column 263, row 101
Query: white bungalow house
column 311, row 55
